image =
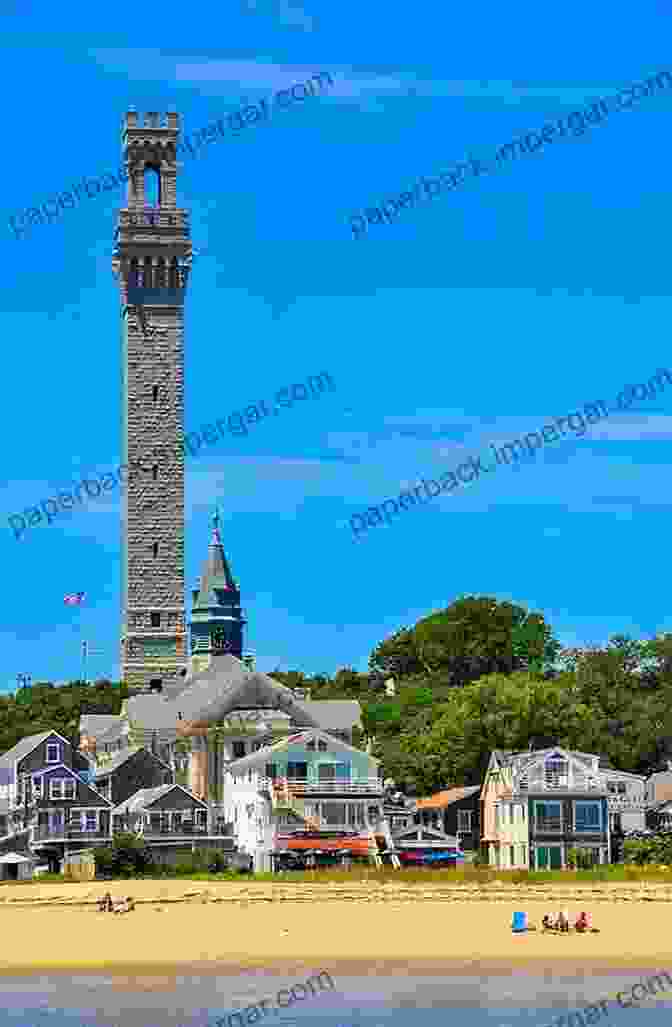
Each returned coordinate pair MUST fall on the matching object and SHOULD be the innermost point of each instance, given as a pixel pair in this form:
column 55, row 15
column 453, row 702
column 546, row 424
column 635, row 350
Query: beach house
column 536, row 806
column 306, row 799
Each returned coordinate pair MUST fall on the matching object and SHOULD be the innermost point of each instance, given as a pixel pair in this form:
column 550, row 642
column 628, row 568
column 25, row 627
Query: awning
column 358, row 846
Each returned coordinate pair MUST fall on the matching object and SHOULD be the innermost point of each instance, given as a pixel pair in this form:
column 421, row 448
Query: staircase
column 283, row 801
column 387, row 834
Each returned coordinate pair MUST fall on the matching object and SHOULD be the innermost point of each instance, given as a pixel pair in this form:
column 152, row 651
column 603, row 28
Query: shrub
column 127, row 856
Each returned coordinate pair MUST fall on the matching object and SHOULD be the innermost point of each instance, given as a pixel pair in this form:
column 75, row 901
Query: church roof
column 333, row 714
column 97, row 724
column 227, row 684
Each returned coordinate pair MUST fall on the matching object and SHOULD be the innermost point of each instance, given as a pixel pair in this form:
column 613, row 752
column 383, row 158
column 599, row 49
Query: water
column 373, row 1001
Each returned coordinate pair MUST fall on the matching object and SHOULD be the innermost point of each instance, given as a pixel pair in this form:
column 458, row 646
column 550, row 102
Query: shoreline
column 171, row 973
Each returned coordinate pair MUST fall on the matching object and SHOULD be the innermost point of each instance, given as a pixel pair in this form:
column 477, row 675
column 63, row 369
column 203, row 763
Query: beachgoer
column 563, row 921
column 105, row 904
column 547, row 922
column 581, row 924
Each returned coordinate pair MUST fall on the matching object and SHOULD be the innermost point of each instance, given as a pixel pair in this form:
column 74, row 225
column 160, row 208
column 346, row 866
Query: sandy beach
column 358, row 928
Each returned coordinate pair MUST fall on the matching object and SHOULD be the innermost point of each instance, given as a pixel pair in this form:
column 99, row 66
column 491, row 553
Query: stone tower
column 152, row 259
column 216, row 617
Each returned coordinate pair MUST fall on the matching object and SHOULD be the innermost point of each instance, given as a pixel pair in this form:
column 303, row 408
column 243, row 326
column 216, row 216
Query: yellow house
column 505, row 828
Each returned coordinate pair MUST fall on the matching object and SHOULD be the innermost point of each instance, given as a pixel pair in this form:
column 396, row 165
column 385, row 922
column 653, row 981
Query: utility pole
column 86, row 652
column 23, row 682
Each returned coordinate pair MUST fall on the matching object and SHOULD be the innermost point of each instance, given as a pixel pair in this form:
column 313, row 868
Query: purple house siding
column 6, row 776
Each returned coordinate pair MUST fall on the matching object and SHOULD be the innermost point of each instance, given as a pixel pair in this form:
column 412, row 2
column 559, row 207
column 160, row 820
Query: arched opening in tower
column 152, row 186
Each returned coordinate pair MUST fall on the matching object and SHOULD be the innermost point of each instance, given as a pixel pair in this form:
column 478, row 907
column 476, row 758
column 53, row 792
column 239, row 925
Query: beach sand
column 181, row 927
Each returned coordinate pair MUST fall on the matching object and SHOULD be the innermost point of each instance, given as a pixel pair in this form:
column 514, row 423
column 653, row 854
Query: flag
column 74, row 598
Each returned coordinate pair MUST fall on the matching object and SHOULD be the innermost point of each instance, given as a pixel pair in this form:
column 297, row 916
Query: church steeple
column 216, row 618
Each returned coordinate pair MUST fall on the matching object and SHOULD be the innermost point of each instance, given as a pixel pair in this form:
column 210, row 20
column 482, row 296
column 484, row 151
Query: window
column 548, row 816
column 321, row 746
column 622, row 787
column 611, row 787
column 513, row 855
column 297, row 771
column 464, row 819
column 37, row 787
column 152, row 186
column 587, row 816
column 238, row 750
column 156, row 620
column 53, row 752
column 61, row 788
column 155, row 549
column 333, row 814
column 155, row 685
column 556, row 771
column 155, row 393
column 272, row 770
column 155, row 472
column 356, row 814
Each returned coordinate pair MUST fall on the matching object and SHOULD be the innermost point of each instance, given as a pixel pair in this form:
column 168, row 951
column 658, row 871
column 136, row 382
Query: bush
column 580, row 859
column 128, row 856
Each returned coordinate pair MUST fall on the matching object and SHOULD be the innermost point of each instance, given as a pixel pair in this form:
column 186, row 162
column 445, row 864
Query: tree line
column 479, row 675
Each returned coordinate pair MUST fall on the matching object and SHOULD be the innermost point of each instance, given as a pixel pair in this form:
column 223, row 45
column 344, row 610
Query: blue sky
column 479, row 316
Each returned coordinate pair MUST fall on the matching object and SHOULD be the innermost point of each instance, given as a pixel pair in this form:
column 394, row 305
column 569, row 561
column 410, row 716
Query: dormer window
column 321, row 746
column 53, row 752
column 311, row 745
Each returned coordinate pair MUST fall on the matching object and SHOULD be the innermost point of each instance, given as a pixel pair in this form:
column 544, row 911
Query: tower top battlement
column 170, row 123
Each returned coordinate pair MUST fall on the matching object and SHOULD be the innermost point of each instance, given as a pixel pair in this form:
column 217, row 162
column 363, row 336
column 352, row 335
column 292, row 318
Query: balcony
column 561, row 783
column 625, row 802
column 365, row 786
column 176, row 831
column 548, row 825
column 68, row 834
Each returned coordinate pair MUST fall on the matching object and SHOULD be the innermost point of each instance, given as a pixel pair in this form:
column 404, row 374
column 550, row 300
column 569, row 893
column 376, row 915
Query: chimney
column 198, row 767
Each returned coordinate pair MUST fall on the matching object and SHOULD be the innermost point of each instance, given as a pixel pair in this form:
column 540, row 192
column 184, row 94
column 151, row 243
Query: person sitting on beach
column 582, row 923
column 547, row 922
column 105, row 904
column 562, row 923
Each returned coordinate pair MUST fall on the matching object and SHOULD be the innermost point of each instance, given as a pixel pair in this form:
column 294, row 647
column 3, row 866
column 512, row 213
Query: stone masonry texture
column 152, row 260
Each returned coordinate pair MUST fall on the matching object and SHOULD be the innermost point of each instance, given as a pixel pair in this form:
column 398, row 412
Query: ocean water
column 495, row 1000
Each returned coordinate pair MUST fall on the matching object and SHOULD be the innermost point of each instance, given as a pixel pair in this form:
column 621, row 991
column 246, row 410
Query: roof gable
column 300, row 738
column 26, row 745
column 81, row 783
column 419, row 833
column 144, row 798
column 123, row 757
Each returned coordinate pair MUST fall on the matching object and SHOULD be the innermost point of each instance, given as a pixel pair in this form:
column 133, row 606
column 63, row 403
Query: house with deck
column 172, row 821
column 307, row 795
column 536, row 806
